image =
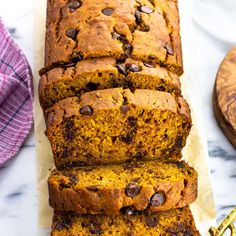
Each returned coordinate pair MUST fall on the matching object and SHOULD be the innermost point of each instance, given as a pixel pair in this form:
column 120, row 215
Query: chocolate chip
column 94, row 228
column 149, row 65
column 180, row 228
column 73, row 5
column 69, row 135
column 69, row 124
column 77, row 56
column 151, row 57
column 73, row 178
column 127, row 211
column 108, row 11
column 132, row 121
column 114, row 83
column 147, row 120
column 128, row 84
column 134, row 68
column 146, row 9
column 100, row 178
column 122, row 69
column 157, row 199
column 92, row 86
column 65, row 153
column 128, row 48
column 179, row 142
column 125, row 102
column 140, row 155
column 59, row 226
column 115, row 35
column 72, row 33
column 128, row 138
column 169, row 49
column 185, row 125
column 165, row 136
column 69, row 129
column 114, row 138
column 179, row 164
column 72, row 164
column 161, row 88
column 63, row 224
column 92, row 188
column 132, row 190
column 185, row 183
column 151, row 221
column 86, row 110
column 138, row 17
column 124, row 109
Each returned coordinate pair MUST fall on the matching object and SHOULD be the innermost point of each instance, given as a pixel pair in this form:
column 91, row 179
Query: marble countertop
column 18, row 199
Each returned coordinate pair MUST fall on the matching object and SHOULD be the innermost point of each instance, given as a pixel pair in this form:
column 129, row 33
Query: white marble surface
column 18, row 200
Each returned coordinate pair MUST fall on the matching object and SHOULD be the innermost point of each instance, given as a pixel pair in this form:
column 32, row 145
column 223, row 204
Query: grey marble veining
column 18, row 199
column 211, row 48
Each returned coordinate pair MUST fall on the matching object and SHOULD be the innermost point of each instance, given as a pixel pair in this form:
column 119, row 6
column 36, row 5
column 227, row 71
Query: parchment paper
column 195, row 152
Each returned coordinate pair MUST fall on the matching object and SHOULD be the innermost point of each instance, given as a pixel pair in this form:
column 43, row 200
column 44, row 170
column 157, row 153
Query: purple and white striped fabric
column 16, row 97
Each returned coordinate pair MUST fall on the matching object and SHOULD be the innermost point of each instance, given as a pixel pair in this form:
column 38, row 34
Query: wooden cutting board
column 224, row 96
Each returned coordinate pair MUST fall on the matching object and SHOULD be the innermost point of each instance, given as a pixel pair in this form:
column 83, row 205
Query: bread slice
column 115, row 125
column 174, row 222
column 154, row 186
column 102, row 73
column 144, row 30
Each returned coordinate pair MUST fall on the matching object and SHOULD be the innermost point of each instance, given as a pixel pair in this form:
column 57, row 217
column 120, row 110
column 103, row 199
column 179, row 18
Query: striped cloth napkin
column 16, row 97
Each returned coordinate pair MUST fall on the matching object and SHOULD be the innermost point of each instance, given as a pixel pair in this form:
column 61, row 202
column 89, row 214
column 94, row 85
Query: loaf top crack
column 143, row 30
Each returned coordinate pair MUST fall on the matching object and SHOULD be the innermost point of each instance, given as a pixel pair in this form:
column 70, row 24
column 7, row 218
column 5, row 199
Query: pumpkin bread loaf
column 117, row 150
column 102, row 73
column 116, row 125
column 144, row 30
column 154, row 186
column 129, row 223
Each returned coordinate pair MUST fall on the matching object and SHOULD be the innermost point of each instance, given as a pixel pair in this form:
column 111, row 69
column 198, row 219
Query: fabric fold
column 16, row 97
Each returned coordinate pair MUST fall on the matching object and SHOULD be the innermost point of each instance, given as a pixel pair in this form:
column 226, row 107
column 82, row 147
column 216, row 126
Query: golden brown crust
column 116, row 125
column 102, row 73
column 174, row 222
column 83, row 190
column 224, row 96
column 143, row 30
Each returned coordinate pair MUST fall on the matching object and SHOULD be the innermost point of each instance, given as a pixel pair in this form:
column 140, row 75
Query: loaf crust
column 116, row 125
column 143, row 30
column 102, row 73
column 174, row 222
column 150, row 186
